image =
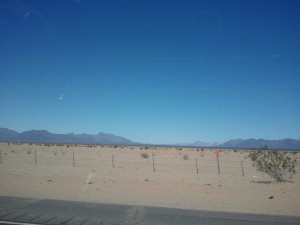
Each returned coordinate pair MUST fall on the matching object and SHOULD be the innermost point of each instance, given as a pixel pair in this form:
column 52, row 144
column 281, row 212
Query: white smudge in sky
column 65, row 91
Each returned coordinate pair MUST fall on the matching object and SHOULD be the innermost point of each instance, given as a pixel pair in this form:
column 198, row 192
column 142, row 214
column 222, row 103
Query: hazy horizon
column 211, row 143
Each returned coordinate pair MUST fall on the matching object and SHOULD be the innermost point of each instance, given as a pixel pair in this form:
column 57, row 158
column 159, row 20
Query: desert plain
column 173, row 177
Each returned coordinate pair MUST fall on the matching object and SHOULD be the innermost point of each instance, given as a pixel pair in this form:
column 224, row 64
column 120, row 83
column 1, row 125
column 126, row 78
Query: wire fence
column 130, row 159
column 156, row 164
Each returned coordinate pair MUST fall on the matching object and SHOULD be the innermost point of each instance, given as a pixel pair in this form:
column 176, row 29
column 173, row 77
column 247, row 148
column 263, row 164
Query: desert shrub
column 28, row 151
column 277, row 164
column 185, row 156
column 145, row 155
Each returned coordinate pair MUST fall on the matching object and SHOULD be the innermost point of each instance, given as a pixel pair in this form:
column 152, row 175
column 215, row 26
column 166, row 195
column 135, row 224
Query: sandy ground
column 175, row 182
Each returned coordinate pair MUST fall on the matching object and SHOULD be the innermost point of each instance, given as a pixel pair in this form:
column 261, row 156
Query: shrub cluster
column 277, row 164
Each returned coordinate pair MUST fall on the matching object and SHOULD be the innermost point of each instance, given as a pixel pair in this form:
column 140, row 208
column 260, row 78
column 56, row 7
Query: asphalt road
column 52, row 212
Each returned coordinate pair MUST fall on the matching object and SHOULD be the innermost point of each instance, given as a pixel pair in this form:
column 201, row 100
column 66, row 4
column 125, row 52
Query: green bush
column 277, row 164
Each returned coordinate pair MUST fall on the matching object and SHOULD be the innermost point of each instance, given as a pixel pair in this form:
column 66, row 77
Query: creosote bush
column 185, row 156
column 145, row 155
column 277, row 164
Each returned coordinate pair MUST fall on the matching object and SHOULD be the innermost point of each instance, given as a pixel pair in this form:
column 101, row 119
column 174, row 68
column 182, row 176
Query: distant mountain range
column 257, row 143
column 288, row 143
column 44, row 136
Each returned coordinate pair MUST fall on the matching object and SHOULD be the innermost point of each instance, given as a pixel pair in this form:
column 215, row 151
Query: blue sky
column 152, row 71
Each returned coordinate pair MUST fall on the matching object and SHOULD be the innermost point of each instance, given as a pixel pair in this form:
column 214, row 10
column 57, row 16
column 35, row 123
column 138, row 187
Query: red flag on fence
column 217, row 153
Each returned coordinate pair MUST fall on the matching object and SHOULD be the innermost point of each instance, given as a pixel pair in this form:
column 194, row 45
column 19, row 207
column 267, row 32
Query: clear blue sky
column 159, row 71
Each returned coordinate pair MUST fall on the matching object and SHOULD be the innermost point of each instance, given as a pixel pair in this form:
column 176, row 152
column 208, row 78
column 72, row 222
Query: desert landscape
column 174, row 177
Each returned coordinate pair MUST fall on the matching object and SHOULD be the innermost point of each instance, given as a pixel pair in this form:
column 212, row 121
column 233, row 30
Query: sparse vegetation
column 185, row 156
column 29, row 151
column 277, row 164
column 145, row 155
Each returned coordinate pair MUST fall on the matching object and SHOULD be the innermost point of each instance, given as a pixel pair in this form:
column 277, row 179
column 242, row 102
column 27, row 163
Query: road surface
column 53, row 212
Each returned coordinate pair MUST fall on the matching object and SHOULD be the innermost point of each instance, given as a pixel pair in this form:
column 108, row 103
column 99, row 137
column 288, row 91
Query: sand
column 174, row 183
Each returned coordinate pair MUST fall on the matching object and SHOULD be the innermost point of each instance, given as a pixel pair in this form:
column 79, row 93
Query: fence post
column 1, row 157
column 218, row 164
column 35, row 158
column 242, row 168
column 153, row 164
column 197, row 166
column 112, row 161
column 73, row 159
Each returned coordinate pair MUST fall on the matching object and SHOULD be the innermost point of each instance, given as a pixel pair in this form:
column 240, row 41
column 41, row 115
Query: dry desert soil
column 162, row 176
